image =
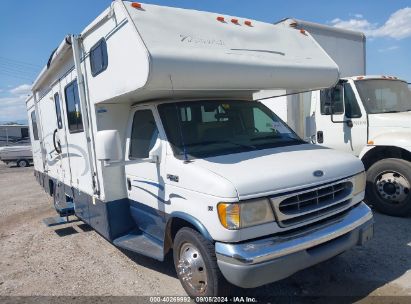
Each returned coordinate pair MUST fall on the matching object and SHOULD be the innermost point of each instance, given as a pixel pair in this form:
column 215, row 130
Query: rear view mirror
column 108, row 146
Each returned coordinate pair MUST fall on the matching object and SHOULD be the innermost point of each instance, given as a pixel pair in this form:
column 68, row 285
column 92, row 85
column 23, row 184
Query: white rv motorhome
column 368, row 116
column 143, row 126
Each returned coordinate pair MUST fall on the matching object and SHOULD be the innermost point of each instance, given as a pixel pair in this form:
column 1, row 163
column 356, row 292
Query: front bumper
column 263, row 261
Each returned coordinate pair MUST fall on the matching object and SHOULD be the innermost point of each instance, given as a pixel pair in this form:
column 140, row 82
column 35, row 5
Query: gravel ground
column 74, row 260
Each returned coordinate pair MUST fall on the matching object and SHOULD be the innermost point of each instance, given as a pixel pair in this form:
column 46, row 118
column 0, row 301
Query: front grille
column 305, row 205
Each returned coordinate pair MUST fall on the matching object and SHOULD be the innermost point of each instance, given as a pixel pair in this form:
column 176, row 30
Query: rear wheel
column 196, row 265
column 389, row 186
column 22, row 163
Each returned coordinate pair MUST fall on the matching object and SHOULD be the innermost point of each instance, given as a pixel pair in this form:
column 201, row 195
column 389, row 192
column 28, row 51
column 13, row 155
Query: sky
column 30, row 30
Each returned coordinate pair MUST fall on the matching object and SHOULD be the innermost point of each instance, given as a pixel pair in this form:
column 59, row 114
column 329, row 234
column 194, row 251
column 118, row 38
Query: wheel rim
column 191, row 268
column 393, row 187
column 22, row 163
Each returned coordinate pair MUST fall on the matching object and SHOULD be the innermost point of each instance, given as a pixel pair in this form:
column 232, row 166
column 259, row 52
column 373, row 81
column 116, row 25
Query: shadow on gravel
column 347, row 278
column 61, row 232
column 166, row 267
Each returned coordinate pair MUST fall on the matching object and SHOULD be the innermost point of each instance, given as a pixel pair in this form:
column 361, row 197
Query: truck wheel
column 22, row 163
column 389, row 185
column 196, row 265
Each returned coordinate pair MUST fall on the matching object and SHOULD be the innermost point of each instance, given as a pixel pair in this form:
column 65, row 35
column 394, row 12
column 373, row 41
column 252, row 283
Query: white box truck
column 143, row 126
column 368, row 116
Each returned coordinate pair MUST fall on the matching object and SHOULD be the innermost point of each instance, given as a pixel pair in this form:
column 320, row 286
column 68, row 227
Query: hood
column 390, row 120
column 279, row 170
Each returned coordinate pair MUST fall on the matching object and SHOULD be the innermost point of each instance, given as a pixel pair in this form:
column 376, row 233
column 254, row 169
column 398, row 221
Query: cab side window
column 144, row 134
column 352, row 109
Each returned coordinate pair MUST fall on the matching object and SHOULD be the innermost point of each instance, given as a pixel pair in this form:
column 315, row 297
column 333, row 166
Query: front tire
column 196, row 265
column 389, row 186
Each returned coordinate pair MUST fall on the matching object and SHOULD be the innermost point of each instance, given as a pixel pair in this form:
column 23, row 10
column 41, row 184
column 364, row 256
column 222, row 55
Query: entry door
column 144, row 182
column 333, row 130
column 53, row 139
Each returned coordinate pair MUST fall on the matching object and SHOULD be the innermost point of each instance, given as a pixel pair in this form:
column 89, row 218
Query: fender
column 193, row 221
column 392, row 139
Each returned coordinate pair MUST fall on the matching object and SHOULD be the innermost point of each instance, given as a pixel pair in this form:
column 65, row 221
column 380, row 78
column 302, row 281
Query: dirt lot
column 74, row 260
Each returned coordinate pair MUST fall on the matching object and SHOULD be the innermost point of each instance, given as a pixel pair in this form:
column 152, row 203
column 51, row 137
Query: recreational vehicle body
column 367, row 116
column 143, row 126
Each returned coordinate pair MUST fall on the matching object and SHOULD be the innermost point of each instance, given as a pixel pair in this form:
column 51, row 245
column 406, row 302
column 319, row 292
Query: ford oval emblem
column 318, row 173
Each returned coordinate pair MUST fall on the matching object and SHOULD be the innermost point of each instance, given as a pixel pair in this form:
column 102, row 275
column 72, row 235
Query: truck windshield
column 200, row 129
column 384, row 96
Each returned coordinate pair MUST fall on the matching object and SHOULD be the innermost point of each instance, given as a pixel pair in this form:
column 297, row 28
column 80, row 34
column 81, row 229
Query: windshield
column 200, row 129
column 384, row 96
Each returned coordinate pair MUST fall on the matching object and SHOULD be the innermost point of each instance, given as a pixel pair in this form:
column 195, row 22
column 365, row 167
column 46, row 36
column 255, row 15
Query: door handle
column 128, row 184
column 320, row 137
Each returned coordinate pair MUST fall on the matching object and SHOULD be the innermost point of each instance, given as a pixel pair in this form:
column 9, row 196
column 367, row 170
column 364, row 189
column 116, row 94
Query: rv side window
column 144, row 134
column 58, row 110
column 352, row 109
column 98, row 57
column 34, row 125
column 75, row 122
column 332, row 101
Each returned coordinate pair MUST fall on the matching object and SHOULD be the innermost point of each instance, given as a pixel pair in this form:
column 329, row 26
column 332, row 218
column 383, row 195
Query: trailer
column 368, row 116
column 22, row 156
column 13, row 134
column 143, row 126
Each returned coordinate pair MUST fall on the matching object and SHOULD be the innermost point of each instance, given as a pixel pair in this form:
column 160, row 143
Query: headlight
column 245, row 214
column 359, row 182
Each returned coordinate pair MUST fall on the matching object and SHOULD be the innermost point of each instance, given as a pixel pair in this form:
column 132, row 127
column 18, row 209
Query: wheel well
column 173, row 226
column 382, row 152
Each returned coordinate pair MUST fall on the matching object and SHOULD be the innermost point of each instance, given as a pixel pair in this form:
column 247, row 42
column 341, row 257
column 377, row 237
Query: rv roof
column 190, row 53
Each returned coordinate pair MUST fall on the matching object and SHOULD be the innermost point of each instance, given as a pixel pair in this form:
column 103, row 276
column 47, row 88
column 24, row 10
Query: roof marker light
column 360, row 77
column 303, row 31
column 248, row 23
column 136, row 5
column 221, row 19
column 235, row 21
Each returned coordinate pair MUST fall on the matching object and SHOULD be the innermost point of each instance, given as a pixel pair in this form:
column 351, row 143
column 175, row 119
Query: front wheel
column 389, row 185
column 22, row 163
column 196, row 265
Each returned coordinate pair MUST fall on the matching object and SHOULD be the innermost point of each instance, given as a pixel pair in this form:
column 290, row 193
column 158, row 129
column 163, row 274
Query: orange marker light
column 221, row 19
column 136, row 5
column 370, row 142
column 302, row 31
column 235, row 21
column 360, row 77
column 248, row 23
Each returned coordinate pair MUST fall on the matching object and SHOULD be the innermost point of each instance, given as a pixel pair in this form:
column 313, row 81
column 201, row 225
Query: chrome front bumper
column 262, row 261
